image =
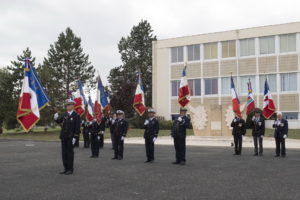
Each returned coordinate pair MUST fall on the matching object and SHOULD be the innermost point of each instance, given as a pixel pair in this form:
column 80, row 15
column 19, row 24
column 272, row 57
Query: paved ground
column 29, row 170
column 217, row 141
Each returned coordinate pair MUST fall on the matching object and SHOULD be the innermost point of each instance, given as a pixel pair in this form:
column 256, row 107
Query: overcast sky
column 101, row 23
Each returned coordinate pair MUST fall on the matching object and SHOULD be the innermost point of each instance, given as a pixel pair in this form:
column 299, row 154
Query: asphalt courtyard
column 29, row 170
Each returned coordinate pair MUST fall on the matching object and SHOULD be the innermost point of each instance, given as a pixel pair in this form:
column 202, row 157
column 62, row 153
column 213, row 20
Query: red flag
column 268, row 105
column 235, row 100
column 79, row 99
column 183, row 91
column 139, row 99
column 250, row 100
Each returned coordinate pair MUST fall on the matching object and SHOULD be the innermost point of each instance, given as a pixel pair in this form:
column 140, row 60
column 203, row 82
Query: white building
column 251, row 53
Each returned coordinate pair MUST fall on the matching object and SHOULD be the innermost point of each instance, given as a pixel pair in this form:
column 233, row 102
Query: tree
column 66, row 63
column 17, row 71
column 13, row 75
column 136, row 56
column 7, row 103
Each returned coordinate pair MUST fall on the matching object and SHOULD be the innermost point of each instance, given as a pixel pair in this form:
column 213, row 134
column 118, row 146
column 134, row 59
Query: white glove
column 98, row 137
column 122, row 138
column 146, row 122
column 281, row 124
column 253, row 118
column 284, row 136
column 234, row 120
column 90, row 123
column 243, row 138
column 112, row 121
column 102, row 132
column 89, row 133
column 179, row 119
column 240, row 125
column 262, row 136
column 259, row 123
column 154, row 139
column 73, row 141
column 55, row 116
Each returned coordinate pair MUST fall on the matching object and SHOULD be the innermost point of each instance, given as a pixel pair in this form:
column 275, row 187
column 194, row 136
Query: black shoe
column 63, row 172
column 114, row 158
column 151, row 161
column 276, row 156
column 283, row 156
column 68, row 173
column 92, row 156
column 120, row 158
column 182, row 163
column 147, row 161
column 256, row 154
column 175, row 163
column 234, row 154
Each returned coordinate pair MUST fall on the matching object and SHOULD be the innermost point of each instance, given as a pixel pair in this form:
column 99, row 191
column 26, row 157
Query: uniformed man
column 238, row 132
column 258, row 131
column 111, row 126
column 151, row 131
column 102, row 131
column 280, row 134
column 94, row 128
column 120, row 131
column 70, row 122
column 86, row 134
column 178, row 132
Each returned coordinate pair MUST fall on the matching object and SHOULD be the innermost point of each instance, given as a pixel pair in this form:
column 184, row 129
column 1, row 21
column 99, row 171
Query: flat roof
column 260, row 31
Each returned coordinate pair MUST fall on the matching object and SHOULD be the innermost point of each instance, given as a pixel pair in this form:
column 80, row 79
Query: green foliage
column 7, row 103
column 17, row 71
column 66, row 62
column 136, row 56
column 165, row 124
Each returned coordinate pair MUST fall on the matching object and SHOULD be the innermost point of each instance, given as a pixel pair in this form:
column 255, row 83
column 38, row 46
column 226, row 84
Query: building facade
column 271, row 52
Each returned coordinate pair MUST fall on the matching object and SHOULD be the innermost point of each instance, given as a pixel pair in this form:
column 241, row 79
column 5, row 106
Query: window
column 247, row 47
column 175, row 86
column 244, row 84
column 287, row 43
column 176, row 54
column 290, row 115
column 211, row 50
column 195, row 87
column 271, row 81
column 193, row 52
column 226, row 85
column 211, row 86
column 289, row 82
column 267, row 45
column 228, row 49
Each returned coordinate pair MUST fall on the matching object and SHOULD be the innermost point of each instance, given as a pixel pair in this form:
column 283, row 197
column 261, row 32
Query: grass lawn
column 53, row 134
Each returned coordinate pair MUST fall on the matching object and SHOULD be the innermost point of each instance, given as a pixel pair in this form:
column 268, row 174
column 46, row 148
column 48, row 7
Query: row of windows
column 247, row 48
column 288, row 83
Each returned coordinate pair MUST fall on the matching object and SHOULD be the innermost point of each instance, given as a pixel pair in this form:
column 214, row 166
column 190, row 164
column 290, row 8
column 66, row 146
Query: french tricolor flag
column 139, row 99
column 79, row 99
column 90, row 110
column 33, row 98
column 268, row 106
column 97, row 105
column 183, row 91
column 250, row 99
column 235, row 100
